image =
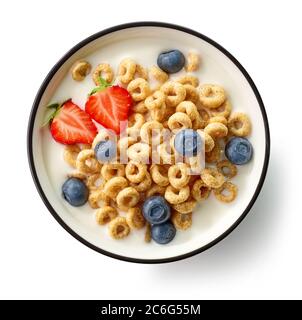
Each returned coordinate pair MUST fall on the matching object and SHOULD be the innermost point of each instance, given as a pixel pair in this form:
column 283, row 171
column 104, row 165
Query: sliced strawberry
column 109, row 106
column 71, row 124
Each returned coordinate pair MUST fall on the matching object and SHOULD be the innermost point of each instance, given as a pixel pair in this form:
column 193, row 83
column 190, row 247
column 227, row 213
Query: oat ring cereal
column 140, row 107
column 92, row 181
column 156, row 190
column 200, row 191
column 181, row 221
column 239, row 124
column 209, row 142
column 135, row 219
column 103, row 70
column 159, row 174
column 150, row 130
column 176, row 196
column 166, row 153
column 219, row 119
column 155, row 101
column 228, row 169
column 227, row 192
column 80, row 70
column 87, row 163
column 139, row 89
column 105, row 215
column 144, row 185
column 193, row 62
column 212, row 178
column 114, row 186
column 185, row 207
column 175, row 93
column 214, row 155
column 127, row 198
column 135, row 172
column 211, row 96
column 119, row 228
column 216, row 130
column 190, row 109
column 159, row 74
column 139, row 152
column 96, row 196
column 141, row 72
column 178, row 175
column 70, row 154
column 126, row 71
column 189, row 79
column 111, row 170
column 158, row 114
column 179, row 121
column 191, row 93
column 223, row 111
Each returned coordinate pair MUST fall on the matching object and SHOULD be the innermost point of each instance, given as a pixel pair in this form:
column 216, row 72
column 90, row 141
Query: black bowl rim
column 56, row 68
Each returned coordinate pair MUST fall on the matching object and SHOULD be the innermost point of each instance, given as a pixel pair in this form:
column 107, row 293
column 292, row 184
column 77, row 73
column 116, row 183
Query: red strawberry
column 109, row 105
column 70, row 124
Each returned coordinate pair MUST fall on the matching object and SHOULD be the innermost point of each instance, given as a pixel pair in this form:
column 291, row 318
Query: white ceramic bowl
column 212, row 220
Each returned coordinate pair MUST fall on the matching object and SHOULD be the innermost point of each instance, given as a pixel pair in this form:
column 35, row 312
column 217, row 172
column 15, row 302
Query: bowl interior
column 211, row 219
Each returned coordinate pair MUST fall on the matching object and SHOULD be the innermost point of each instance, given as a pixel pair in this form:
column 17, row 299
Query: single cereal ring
column 166, row 153
column 239, row 124
column 219, row 119
column 216, row 130
column 141, row 72
column 150, row 130
column 104, row 71
column 70, row 154
column 87, row 163
column 103, row 134
column 139, row 89
column 155, row 190
column 179, row 175
column 189, row 108
column 212, row 178
column 215, row 154
column 148, row 237
column 135, row 219
column 159, row 74
column 159, row 113
column 111, row 170
column 222, row 111
column 179, row 121
column 209, row 142
column 144, row 185
column 228, row 169
column 105, row 215
column 114, row 186
column 135, row 172
column 231, row 192
column 135, row 122
column 185, row 207
column 127, row 198
column 159, row 174
column 189, row 79
column 211, row 96
column 96, row 196
column 118, row 228
column 181, row 221
column 155, row 101
column 175, row 196
column 175, row 93
column 191, row 93
column 200, row 191
column 139, row 152
column 193, row 62
column 140, row 107
column 196, row 164
column 80, row 70
column 92, row 181
column 126, row 71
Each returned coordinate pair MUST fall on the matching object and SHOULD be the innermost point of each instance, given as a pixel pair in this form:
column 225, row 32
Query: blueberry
column 239, row 150
column 171, row 61
column 163, row 233
column 156, row 210
column 75, row 192
column 188, row 143
column 105, row 150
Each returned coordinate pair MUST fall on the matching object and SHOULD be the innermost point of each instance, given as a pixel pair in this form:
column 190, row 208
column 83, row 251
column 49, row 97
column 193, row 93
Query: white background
column 262, row 258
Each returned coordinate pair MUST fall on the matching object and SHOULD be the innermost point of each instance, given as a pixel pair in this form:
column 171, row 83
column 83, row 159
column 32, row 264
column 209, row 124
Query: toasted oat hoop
column 200, row 191
column 216, row 130
column 155, row 190
column 239, row 124
column 155, row 101
column 191, row 93
column 141, row 72
column 114, row 186
column 140, row 107
column 103, row 134
column 193, row 62
column 178, row 175
column 119, row 228
column 166, row 153
column 70, row 154
column 139, row 89
column 185, row 207
column 92, row 181
column 212, row 178
column 96, row 196
column 148, row 237
column 175, row 93
column 189, row 79
column 175, row 196
column 80, row 70
column 135, row 172
column 159, row 113
column 209, row 142
column 181, row 221
column 219, row 119
column 159, row 174
column 103, row 70
column 135, row 219
column 228, row 169
column 196, row 164
column 189, row 108
column 81, row 163
column 179, row 121
column 111, row 170
column 211, row 96
column 230, row 188
column 222, row 111
column 159, row 74
column 127, row 198
column 126, row 70
column 215, row 154
column 105, row 214
column 139, row 152
column 149, row 130
column 144, row 185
